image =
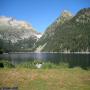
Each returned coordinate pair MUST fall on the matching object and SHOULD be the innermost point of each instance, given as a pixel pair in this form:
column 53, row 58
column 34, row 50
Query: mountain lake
column 73, row 59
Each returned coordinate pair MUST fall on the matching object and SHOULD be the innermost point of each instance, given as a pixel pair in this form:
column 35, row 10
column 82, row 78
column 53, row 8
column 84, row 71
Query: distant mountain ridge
column 17, row 32
column 16, row 29
column 10, row 21
column 67, row 34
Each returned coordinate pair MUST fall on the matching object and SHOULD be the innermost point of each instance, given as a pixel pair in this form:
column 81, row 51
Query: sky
column 40, row 13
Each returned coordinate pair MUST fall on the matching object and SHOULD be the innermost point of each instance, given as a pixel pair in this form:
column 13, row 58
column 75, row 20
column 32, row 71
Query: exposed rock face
column 12, row 29
column 65, row 15
column 19, row 33
column 15, row 23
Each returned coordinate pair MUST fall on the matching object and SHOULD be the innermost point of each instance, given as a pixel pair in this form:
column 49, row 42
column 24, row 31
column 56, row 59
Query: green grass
column 45, row 79
column 6, row 64
column 30, row 65
column 49, row 65
column 45, row 65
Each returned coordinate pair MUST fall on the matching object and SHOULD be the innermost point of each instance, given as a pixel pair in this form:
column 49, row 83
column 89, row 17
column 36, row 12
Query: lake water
column 74, row 59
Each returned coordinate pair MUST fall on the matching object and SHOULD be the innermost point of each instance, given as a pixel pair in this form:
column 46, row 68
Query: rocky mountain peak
column 10, row 21
column 66, row 13
column 65, row 16
column 14, row 30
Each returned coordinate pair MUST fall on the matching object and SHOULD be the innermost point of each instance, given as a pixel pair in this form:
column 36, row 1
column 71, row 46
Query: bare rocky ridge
column 16, row 35
column 14, row 30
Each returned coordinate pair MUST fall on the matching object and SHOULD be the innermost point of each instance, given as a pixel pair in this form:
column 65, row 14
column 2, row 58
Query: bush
column 45, row 65
column 63, row 65
column 1, row 65
column 6, row 64
column 1, row 51
column 49, row 65
column 27, row 65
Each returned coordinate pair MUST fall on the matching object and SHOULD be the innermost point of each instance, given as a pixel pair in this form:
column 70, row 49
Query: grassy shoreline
column 50, row 76
column 32, row 64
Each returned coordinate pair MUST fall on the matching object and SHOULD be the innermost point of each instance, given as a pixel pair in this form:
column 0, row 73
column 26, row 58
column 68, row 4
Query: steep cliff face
column 68, row 33
column 17, row 32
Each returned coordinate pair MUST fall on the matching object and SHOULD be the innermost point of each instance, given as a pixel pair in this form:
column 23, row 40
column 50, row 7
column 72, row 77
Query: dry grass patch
column 45, row 79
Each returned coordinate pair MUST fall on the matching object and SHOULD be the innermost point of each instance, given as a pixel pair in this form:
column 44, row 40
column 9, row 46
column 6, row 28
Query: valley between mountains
column 68, row 33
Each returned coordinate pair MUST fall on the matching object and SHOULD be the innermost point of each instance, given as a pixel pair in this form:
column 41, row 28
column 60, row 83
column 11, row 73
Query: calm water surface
column 71, row 58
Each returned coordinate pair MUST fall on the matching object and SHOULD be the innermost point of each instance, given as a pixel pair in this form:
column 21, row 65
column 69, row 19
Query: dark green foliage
column 45, row 65
column 30, row 65
column 20, row 45
column 1, row 65
column 49, row 65
column 24, row 45
column 1, row 51
column 6, row 64
column 5, row 46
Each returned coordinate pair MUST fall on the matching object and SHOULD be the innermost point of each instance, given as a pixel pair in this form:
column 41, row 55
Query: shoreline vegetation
column 52, row 52
column 36, row 64
column 50, row 76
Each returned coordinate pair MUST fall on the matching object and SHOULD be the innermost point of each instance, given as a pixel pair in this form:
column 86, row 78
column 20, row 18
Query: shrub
column 49, row 65
column 6, row 64
column 27, row 65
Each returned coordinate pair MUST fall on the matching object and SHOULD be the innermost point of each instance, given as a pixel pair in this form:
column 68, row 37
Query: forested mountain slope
column 73, row 35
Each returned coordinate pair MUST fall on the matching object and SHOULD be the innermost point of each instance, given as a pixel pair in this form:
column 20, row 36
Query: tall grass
column 30, row 65
column 45, row 65
column 33, row 65
column 49, row 65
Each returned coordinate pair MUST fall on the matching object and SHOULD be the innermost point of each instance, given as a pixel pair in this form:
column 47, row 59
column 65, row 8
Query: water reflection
column 82, row 60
